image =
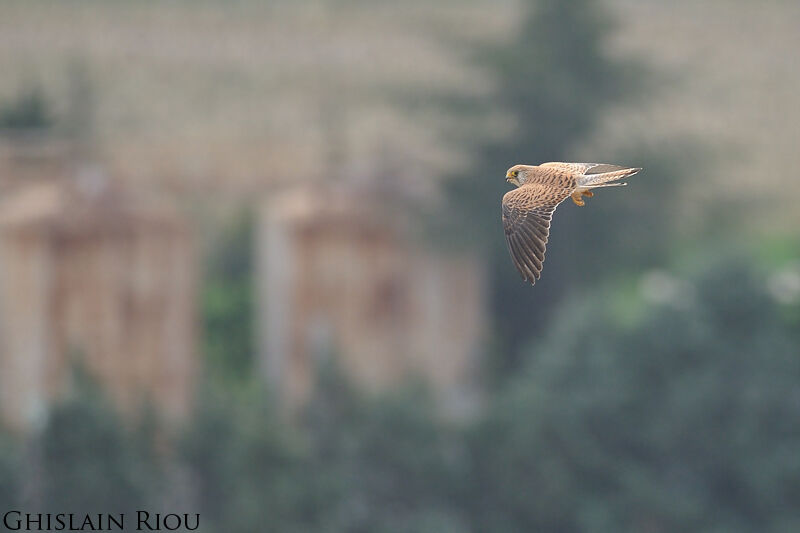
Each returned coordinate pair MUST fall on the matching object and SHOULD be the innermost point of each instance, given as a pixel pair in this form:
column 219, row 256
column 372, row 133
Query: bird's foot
column 576, row 197
column 588, row 194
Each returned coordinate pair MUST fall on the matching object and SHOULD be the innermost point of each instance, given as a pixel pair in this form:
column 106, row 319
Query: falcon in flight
column 528, row 209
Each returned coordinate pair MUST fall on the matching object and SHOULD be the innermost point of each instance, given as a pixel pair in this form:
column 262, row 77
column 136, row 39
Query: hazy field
column 729, row 82
column 209, row 92
column 243, row 91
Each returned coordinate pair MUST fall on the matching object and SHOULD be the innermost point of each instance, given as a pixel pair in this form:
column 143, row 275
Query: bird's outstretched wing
column 584, row 168
column 527, row 212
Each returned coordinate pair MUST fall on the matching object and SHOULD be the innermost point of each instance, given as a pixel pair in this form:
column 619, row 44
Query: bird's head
column 517, row 175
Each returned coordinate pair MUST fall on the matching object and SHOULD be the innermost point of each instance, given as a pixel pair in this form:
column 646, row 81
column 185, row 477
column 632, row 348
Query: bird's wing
column 584, row 168
column 527, row 212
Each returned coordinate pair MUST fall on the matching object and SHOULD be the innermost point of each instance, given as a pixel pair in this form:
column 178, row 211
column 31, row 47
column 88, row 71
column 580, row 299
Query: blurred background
column 252, row 265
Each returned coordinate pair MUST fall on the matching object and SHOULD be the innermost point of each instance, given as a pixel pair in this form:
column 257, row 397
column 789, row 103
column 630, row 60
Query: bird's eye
column 514, row 173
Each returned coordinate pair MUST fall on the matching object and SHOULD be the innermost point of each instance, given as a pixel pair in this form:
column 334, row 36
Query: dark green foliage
column 88, row 461
column 353, row 464
column 228, row 303
column 684, row 418
column 391, row 462
column 28, row 112
column 249, row 468
column 690, row 422
column 10, row 472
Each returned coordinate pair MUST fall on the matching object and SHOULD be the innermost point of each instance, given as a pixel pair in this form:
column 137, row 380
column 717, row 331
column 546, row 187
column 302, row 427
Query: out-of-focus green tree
column 686, row 420
column 88, row 461
column 250, row 469
column 10, row 478
column 555, row 79
column 390, row 461
column 28, row 112
column 228, row 303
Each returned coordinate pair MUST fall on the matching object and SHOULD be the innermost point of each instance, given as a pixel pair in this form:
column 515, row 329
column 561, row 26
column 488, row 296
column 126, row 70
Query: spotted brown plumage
column 528, row 210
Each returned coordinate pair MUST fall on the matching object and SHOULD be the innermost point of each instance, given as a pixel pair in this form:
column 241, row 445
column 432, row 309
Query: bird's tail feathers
column 617, row 184
column 601, row 180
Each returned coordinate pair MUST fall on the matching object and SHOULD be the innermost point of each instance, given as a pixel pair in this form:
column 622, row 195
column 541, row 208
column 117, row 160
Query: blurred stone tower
column 92, row 273
column 340, row 275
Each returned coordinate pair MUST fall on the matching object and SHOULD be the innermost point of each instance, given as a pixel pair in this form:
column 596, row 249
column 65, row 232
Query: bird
column 528, row 209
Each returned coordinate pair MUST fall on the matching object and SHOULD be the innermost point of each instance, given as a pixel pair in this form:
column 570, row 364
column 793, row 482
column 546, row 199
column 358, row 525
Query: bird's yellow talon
column 588, row 194
column 576, row 197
